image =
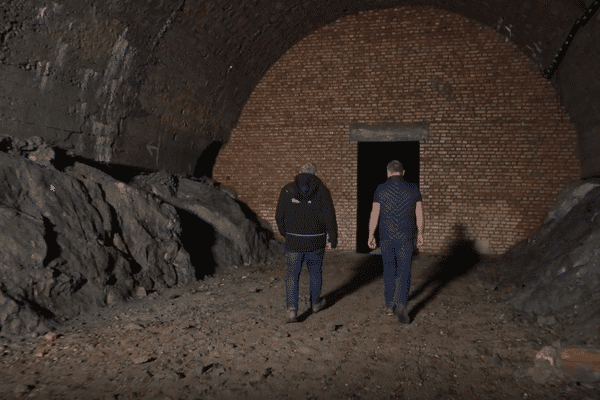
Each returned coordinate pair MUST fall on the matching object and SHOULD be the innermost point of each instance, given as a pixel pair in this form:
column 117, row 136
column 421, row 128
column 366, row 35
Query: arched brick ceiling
column 538, row 27
column 152, row 83
column 246, row 37
column 251, row 35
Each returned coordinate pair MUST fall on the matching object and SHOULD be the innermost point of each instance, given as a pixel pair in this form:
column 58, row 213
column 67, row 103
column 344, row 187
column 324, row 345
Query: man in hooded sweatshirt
column 306, row 218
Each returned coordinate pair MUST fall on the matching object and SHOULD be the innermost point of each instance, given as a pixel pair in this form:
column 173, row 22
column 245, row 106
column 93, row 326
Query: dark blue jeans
column 397, row 257
column 293, row 267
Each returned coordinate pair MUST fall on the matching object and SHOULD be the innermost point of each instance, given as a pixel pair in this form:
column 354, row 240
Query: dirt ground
column 225, row 337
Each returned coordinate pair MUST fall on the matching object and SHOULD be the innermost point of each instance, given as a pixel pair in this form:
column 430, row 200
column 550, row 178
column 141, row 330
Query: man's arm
column 419, row 216
column 373, row 221
column 280, row 212
column 330, row 219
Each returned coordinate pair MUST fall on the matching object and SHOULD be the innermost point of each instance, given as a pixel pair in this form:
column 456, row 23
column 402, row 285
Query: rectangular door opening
column 373, row 158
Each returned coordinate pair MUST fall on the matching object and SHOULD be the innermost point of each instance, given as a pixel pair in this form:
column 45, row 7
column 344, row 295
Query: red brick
column 499, row 148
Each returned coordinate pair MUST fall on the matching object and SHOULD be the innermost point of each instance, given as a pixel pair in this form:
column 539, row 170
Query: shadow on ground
column 461, row 258
column 365, row 272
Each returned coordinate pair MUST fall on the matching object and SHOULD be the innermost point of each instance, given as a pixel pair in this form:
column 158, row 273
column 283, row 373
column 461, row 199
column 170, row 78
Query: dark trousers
column 293, row 267
column 397, row 257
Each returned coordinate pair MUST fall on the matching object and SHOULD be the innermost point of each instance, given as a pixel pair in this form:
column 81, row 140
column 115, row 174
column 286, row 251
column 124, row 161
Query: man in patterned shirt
column 397, row 207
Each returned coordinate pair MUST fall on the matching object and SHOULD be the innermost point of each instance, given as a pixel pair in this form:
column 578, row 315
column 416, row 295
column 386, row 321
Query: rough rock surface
column 239, row 237
column 78, row 239
column 557, row 271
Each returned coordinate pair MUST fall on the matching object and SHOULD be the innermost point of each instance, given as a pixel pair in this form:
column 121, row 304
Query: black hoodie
column 305, row 214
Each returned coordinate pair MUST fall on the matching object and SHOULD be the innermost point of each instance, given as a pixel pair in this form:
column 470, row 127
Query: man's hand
column 372, row 243
column 373, row 221
column 419, row 240
column 419, row 221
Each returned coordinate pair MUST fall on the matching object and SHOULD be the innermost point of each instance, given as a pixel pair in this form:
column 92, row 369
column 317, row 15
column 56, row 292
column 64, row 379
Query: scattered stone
column 305, row 350
column 22, row 390
column 197, row 370
column 133, row 327
column 267, row 372
column 214, row 370
column 547, row 355
column 546, row 320
column 541, row 374
column 50, row 338
column 330, row 327
column 582, row 365
column 140, row 292
column 254, row 377
column 495, row 359
column 166, row 374
column 143, row 359
column 112, row 299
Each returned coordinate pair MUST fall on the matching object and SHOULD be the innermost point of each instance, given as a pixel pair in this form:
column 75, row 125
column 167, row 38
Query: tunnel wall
column 499, row 147
column 153, row 84
column 124, row 83
column 577, row 82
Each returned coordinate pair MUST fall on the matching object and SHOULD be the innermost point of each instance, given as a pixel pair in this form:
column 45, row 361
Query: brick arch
column 495, row 132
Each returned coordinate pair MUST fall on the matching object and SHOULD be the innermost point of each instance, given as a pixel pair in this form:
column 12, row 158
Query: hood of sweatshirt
column 307, row 186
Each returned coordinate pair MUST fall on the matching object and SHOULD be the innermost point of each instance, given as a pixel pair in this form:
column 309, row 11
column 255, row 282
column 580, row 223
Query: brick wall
column 499, row 147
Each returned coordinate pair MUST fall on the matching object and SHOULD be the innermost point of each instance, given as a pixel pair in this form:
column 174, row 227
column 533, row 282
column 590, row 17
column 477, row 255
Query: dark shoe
column 402, row 315
column 318, row 307
column 292, row 316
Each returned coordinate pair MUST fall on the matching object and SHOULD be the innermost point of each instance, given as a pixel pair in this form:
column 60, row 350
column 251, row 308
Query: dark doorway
column 373, row 158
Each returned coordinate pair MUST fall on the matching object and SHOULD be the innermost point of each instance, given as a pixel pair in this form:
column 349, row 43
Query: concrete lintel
column 391, row 132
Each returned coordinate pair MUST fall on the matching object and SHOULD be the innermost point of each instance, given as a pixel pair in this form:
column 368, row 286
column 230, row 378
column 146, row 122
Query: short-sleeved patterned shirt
column 398, row 200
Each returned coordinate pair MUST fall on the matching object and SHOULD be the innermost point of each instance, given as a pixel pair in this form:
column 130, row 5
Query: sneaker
column 402, row 315
column 292, row 316
column 318, row 307
column 389, row 311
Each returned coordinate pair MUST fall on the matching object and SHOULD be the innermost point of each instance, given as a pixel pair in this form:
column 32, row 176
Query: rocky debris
column 194, row 340
column 553, row 364
column 34, row 148
column 77, row 240
column 581, row 365
column 242, row 238
column 555, row 274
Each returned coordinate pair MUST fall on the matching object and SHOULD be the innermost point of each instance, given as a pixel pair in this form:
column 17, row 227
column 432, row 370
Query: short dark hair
column 395, row 167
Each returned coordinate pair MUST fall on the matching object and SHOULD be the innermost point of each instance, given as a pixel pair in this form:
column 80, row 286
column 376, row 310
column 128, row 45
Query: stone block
column 581, row 365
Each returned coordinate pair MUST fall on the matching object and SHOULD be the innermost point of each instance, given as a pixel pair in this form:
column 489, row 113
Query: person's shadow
column 460, row 259
column 365, row 272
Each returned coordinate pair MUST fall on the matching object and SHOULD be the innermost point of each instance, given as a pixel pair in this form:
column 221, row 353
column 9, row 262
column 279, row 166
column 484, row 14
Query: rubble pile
column 77, row 239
